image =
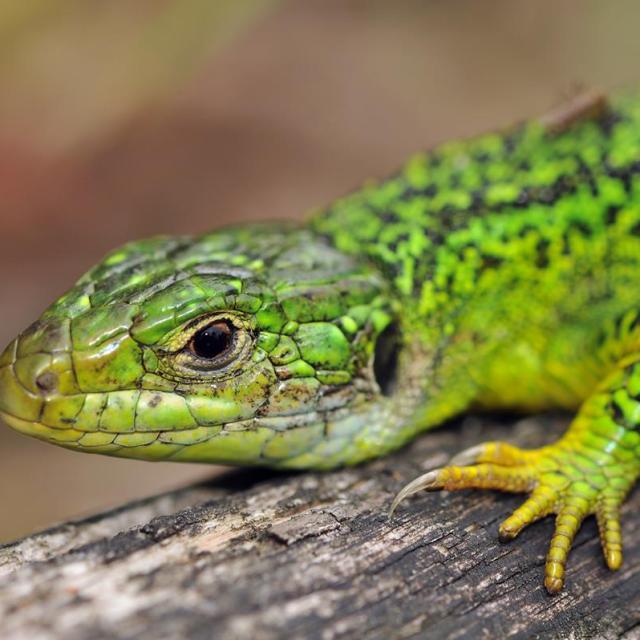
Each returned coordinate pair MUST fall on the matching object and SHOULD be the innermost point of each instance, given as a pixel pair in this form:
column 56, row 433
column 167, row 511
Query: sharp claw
column 425, row 481
column 468, row 456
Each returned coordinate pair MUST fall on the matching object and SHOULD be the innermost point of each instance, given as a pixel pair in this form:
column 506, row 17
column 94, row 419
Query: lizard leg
column 589, row 471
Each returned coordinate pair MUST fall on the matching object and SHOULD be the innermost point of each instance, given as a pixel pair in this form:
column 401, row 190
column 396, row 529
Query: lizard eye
column 216, row 347
column 213, row 341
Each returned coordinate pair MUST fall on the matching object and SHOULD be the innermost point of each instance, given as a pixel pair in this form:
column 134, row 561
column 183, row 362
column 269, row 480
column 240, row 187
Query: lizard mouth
column 275, row 441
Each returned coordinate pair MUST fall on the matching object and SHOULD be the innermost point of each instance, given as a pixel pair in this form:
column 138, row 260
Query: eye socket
column 213, row 341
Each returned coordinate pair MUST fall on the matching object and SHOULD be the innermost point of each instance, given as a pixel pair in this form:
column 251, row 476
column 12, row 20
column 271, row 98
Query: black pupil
column 212, row 341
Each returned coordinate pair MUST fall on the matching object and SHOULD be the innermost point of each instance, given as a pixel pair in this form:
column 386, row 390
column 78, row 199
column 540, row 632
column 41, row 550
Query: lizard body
column 501, row 272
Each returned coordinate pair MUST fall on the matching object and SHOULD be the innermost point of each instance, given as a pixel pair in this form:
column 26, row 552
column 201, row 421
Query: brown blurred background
column 127, row 118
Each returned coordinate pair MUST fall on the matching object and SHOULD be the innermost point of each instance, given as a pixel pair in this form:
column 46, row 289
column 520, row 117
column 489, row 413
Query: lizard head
column 260, row 345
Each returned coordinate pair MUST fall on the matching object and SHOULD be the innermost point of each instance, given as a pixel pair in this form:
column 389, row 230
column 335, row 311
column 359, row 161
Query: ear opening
column 386, row 358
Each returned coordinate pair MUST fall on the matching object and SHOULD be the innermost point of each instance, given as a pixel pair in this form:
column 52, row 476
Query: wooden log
column 258, row 554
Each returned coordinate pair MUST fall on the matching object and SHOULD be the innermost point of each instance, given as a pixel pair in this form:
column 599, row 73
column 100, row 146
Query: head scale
column 252, row 346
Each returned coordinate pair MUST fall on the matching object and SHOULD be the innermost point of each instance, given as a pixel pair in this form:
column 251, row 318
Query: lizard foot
column 569, row 483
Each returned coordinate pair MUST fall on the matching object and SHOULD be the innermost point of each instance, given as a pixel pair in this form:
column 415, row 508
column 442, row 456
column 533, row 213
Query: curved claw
column 425, row 481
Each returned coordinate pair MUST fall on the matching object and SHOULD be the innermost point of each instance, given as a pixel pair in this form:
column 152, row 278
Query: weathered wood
column 256, row 554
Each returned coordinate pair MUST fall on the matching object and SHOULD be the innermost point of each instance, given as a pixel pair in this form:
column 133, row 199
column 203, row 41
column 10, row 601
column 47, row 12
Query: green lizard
column 501, row 272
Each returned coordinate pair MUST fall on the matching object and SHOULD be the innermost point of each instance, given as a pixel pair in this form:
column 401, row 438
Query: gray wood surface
column 257, row 554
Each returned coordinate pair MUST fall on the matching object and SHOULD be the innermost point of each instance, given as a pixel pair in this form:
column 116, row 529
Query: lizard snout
column 19, row 402
column 37, row 380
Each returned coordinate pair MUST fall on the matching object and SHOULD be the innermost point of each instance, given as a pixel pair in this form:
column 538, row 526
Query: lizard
column 500, row 272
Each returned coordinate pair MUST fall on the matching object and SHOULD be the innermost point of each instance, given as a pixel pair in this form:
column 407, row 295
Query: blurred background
column 127, row 118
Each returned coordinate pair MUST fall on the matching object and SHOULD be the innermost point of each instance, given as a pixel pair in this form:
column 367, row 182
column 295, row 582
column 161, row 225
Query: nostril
column 47, row 382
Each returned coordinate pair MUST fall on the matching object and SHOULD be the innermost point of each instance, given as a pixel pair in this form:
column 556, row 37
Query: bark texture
column 256, row 554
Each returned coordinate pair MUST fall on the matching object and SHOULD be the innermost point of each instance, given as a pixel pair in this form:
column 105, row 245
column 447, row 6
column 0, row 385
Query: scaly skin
column 500, row 272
